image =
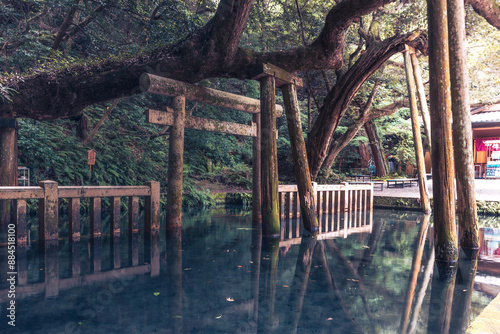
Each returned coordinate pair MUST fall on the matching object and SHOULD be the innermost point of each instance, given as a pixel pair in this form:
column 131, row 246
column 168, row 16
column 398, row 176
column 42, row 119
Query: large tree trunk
column 443, row 173
column 377, row 149
column 211, row 51
column 462, row 128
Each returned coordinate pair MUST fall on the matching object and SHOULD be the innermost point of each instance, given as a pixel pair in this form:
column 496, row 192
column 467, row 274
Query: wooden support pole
column 48, row 212
column 299, row 156
column 417, row 74
column 462, row 128
column 442, row 151
column 417, row 139
column 269, row 160
column 256, row 172
column 74, row 219
column 152, row 204
column 175, row 166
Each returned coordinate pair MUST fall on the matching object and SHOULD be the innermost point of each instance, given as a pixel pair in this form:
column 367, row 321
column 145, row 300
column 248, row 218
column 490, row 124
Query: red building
column 486, row 133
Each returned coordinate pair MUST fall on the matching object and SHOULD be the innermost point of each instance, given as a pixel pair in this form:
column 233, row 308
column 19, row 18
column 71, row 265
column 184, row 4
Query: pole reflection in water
column 415, row 269
column 443, row 285
column 267, row 321
column 174, row 286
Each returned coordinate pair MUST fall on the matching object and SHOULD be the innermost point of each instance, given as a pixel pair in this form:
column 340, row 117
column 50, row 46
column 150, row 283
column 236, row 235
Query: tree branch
column 489, row 9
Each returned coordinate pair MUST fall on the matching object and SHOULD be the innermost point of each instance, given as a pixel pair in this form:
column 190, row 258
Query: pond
column 223, row 277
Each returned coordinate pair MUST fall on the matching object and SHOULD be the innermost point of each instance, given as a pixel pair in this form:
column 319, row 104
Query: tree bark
column 211, row 51
column 419, row 150
column 489, row 9
column 377, row 149
column 64, row 27
column 299, row 156
column 442, row 149
column 462, row 128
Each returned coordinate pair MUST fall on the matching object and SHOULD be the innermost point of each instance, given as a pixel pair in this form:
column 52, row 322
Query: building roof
column 486, row 114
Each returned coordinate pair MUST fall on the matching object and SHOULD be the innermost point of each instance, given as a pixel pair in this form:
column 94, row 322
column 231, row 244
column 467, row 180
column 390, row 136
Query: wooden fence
column 342, row 209
column 48, row 194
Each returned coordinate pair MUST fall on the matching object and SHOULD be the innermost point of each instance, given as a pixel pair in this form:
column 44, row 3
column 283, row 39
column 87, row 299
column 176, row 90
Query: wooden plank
column 21, row 192
column 152, row 208
column 133, row 214
column 114, row 224
column 164, row 86
column 199, row 123
column 256, row 179
column 281, row 76
column 95, row 218
column 103, row 191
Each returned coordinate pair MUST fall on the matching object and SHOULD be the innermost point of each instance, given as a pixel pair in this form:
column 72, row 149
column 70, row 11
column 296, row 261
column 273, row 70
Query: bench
column 379, row 184
column 400, row 183
column 359, row 177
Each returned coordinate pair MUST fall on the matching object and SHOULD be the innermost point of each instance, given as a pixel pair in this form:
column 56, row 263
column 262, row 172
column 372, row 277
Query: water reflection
column 220, row 276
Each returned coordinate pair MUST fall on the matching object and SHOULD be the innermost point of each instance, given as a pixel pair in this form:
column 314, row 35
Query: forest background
column 59, row 34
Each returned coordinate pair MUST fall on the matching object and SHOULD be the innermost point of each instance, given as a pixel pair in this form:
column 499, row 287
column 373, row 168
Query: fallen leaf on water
column 156, row 293
column 240, row 266
column 285, row 286
column 329, row 319
column 177, row 317
column 229, row 299
column 187, row 268
column 218, row 317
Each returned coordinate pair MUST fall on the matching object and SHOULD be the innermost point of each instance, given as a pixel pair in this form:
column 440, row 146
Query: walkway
column 486, row 190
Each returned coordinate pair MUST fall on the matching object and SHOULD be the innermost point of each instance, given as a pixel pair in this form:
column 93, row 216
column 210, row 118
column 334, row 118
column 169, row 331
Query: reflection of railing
column 342, row 209
column 48, row 194
column 49, row 268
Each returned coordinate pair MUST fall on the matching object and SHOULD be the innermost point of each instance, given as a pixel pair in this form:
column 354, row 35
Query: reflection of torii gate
column 265, row 171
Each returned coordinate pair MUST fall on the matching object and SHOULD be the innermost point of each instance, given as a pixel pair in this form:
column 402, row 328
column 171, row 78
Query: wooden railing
column 48, row 194
column 342, row 208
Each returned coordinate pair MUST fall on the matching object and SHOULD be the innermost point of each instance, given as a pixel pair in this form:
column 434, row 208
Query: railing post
column 48, row 212
column 95, row 218
column 152, row 204
column 20, row 222
column 74, row 219
column 345, row 208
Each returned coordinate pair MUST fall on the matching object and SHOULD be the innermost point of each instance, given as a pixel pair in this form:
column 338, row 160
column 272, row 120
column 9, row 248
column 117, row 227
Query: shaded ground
column 486, row 190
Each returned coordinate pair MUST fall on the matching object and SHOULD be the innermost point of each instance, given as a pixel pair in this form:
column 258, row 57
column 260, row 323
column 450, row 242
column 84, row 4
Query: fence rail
column 48, row 194
column 342, row 208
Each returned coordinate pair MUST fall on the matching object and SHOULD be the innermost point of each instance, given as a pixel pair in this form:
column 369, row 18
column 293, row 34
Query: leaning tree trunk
column 339, row 98
column 377, row 149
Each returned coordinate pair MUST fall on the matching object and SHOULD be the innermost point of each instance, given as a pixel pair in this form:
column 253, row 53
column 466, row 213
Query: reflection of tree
column 415, row 269
column 443, row 284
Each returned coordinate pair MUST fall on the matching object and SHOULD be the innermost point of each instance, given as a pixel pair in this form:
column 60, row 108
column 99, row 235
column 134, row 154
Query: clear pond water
column 223, row 277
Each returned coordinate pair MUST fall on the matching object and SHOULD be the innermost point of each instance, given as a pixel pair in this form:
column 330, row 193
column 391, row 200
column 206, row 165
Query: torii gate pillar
column 269, row 77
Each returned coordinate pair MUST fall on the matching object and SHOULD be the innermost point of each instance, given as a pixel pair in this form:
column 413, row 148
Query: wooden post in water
column 442, row 151
column 462, row 128
column 417, row 139
column 175, row 166
column 256, row 172
column 299, row 156
column 269, row 162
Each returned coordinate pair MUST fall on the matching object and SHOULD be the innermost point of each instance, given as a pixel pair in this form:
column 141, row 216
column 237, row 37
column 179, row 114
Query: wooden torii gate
column 265, row 171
